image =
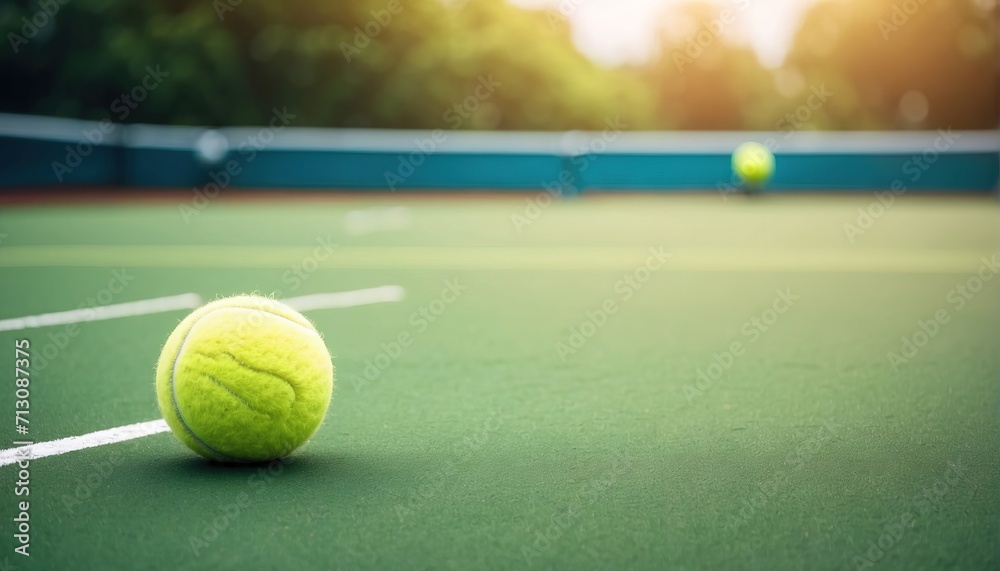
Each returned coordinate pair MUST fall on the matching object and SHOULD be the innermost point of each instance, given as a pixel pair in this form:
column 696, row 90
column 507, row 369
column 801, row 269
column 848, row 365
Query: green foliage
column 410, row 64
column 942, row 52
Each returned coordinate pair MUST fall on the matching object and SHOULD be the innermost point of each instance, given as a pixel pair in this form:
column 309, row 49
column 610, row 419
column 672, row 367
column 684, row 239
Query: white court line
column 371, row 220
column 74, row 443
column 353, row 298
column 97, row 313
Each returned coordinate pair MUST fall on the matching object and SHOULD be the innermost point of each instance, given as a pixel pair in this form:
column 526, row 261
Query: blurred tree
column 367, row 63
column 902, row 63
column 701, row 80
column 487, row 64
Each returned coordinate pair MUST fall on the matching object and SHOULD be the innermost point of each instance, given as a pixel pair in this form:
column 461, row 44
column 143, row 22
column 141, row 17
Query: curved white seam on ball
column 173, row 388
column 310, row 329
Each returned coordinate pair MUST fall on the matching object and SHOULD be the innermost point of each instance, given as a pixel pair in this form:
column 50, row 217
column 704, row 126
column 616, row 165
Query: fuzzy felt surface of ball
column 244, row 379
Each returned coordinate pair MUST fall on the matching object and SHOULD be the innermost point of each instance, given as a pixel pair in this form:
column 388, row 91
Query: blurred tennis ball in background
column 753, row 163
column 244, row 379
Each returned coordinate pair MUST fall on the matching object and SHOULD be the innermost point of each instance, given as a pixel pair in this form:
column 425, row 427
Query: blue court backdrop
column 53, row 152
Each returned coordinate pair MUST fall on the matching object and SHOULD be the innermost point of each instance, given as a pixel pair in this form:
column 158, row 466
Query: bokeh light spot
column 914, row 106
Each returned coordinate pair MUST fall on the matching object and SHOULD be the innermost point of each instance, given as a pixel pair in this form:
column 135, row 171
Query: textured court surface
column 534, row 400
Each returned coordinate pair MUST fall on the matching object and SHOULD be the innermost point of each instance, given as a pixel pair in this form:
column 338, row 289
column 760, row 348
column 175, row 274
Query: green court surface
column 607, row 383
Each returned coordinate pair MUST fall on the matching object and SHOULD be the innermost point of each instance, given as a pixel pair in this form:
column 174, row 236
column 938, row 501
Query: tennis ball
column 753, row 163
column 244, row 379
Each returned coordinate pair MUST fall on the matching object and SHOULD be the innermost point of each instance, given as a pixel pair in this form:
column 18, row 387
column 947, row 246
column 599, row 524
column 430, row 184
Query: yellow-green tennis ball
column 244, row 379
column 753, row 163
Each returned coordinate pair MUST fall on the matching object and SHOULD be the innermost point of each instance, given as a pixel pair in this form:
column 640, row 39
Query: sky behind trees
column 614, row 32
